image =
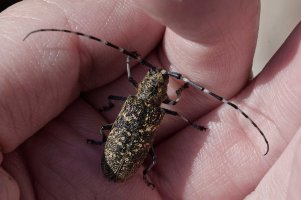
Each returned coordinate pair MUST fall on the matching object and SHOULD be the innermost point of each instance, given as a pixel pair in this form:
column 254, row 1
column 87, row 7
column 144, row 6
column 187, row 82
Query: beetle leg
column 174, row 113
column 104, row 138
column 110, row 103
column 148, row 168
column 128, row 69
column 178, row 93
column 179, row 76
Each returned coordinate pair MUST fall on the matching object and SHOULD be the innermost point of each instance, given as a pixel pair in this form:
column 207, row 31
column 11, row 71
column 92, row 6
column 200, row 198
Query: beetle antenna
column 208, row 92
column 124, row 51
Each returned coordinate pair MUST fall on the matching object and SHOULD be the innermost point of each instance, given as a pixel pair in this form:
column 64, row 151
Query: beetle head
column 153, row 88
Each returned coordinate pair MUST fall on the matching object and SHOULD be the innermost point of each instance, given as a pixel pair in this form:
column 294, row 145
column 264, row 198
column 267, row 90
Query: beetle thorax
column 153, row 88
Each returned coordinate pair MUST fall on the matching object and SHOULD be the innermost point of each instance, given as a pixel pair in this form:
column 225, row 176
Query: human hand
column 211, row 43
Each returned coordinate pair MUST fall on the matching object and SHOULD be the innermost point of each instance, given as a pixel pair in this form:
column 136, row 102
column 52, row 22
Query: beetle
column 132, row 134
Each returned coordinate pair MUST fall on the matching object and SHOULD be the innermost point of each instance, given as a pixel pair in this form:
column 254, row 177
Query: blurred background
column 278, row 18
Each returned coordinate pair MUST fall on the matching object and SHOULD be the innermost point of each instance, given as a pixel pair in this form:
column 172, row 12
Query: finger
column 205, row 40
column 219, row 55
column 227, row 161
column 49, row 68
column 283, row 179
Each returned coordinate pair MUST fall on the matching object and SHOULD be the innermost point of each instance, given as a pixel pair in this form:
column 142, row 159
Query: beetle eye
column 165, row 76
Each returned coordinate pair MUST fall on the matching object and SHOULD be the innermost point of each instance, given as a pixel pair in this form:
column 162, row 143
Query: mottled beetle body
column 133, row 131
column 132, row 134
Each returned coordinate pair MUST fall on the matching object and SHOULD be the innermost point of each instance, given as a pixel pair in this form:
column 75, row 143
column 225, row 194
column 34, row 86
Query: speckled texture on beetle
column 133, row 131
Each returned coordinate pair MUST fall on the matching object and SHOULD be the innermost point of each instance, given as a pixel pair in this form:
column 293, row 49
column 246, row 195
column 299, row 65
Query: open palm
column 52, row 83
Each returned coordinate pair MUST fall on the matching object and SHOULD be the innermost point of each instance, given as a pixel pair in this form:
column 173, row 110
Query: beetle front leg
column 178, row 93
column 128, row 69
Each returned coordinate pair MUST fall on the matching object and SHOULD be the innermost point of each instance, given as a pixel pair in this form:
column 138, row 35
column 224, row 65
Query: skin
column 44, row 122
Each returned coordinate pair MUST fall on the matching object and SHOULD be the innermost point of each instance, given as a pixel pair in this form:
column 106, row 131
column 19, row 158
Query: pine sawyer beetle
column 132, row 134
